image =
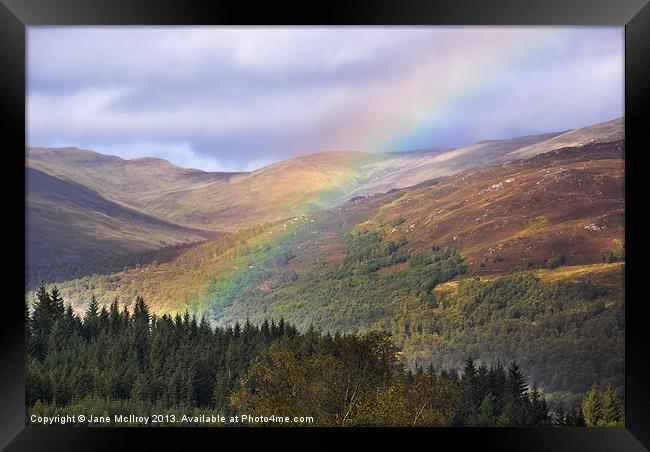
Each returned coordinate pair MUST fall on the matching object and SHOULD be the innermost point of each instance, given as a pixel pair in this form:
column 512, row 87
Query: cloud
column 231, row 98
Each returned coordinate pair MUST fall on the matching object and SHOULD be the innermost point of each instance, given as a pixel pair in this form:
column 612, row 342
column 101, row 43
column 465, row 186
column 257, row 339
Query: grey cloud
column 234, row 98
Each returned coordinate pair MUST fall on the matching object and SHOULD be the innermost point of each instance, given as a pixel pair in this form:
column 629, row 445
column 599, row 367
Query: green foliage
column 485, row 416
column 609, row 257
column 352, row 293
column 561, row 333
column 117, row 361
column 367, row 253
column 555, row 261
column 495, row 396
column 137, row 357
column 102, row 266
column 420, row 259
column 138, row 363
column 602, row 409
column 565, row 335
column 569, row 418
column 338, row 380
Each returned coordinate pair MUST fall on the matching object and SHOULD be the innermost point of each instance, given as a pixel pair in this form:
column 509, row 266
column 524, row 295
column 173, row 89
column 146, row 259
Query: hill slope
column 535, row 231
column 511, row 217
column 605, row 132
column 88, row 225
column 192, row 201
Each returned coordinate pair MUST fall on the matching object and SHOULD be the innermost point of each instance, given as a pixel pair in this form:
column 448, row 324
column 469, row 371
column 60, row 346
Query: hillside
column 568, row 203
column 511, row 217
column 405, row 170
column 89, row 225
column 206, row 200
column 605, row 132
column 535, row 231
column 193, row 203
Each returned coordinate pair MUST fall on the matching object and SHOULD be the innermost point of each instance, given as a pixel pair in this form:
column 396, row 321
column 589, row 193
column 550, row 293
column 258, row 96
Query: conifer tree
column 57, row 302
column 516, row 386
column 592, row 407
column 485, row 414
column 140, row 326
column 28, row 330
column 538, row 409
column 467, row 403
column 42, row 319
column 103, row 320
column 517, row 404
column 132, row 361
column 91, row 318
column 497, row 383
column 612, row 412
column 114, row 316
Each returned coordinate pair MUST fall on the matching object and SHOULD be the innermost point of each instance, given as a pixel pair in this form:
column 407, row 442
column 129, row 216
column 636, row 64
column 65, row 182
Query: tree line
column 115, row 360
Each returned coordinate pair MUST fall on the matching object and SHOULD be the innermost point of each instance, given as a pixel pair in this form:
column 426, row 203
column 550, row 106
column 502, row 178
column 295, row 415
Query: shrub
column 609, row 257
column 555, row 262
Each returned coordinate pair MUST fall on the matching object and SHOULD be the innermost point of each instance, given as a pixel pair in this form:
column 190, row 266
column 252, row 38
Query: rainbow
column 481, row 68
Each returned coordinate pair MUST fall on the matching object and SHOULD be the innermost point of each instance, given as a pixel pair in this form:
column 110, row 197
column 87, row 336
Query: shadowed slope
column 69, row 222
column 232, row 201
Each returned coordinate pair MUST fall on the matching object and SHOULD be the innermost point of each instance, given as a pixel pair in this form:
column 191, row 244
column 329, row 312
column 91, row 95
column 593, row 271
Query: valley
column 179, row 206
column 522, row 259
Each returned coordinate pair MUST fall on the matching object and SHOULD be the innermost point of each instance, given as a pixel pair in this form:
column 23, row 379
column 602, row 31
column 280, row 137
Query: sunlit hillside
column 544, row 235
column 188, row 205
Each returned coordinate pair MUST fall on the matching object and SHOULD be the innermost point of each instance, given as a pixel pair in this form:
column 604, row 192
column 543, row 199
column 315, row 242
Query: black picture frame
column 634, row 15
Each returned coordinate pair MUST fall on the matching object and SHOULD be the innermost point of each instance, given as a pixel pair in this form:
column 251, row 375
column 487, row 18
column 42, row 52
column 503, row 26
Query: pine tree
column 612, row 412
column 592, row 407
column 140, row 326
column 103, row 321
column 485, row 415
column 114, row 317
column 28, row 330
column 538, row 409
column 517, row 406
column 42, row 320
column 497, row 378
column 57, row 302
column 125, row 317
column 516, row 382
column 91, row 318
column 266, row 330
column 468, row 404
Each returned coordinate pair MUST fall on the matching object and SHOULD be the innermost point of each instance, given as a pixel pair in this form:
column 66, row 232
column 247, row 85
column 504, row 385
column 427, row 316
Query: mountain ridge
column 224, row 202
column 519, row 260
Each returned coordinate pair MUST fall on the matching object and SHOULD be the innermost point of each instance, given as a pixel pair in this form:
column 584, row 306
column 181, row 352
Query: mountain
column 68, row 222
column 404, row 170
column 567, row 204
column 407, row 169
column 188, row 205
column 521, row 260
column 604, row 132
column 192, row 205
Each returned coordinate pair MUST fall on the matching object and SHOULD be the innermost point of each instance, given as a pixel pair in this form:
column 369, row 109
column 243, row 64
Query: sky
column 239, row 98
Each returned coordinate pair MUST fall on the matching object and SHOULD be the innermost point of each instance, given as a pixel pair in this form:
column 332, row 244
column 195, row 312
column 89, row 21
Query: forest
column 566, row 333
column 115, row 360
